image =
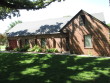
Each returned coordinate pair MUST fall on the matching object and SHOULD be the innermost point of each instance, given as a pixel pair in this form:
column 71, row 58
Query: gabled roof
column 50, row 26
column 99, row 16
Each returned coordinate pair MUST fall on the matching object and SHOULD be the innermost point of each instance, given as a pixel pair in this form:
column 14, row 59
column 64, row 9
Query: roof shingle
column 50, row 26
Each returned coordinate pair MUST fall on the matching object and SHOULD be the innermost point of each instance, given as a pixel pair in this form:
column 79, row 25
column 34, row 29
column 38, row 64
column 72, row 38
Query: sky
column 60, row 9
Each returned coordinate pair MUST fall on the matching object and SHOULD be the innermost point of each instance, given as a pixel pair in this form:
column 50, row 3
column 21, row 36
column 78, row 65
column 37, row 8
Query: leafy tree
column 12, row 25
column 2, row 39
column 9, row 8
column 1, row 36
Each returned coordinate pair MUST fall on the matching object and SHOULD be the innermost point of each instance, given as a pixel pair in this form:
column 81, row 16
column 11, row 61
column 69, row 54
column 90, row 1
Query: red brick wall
column 53, row 41
column 98, row 31
column 100, row 37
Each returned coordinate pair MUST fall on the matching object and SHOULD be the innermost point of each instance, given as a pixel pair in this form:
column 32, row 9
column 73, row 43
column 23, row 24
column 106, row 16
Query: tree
column 2, row 39
column 9, row 8
column 12, row 25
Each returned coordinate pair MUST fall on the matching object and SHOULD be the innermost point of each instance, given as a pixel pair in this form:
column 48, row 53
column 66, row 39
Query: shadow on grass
column 34, row 68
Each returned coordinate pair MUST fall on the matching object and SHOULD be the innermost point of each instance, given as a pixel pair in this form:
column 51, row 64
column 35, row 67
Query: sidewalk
column 54, row 54
column 35, row 53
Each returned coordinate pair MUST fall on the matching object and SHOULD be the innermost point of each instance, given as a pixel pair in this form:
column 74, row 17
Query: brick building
column 81, row 34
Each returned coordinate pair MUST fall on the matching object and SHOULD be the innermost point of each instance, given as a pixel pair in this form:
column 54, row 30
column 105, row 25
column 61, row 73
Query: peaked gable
column 51, row 26
column 81, row 12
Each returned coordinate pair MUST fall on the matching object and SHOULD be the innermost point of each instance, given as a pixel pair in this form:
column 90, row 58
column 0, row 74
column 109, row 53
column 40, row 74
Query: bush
column 36, row 49
column 16, row 49
column 33, row 49
column 8, row 48
column 52, row 50
column 23, row 49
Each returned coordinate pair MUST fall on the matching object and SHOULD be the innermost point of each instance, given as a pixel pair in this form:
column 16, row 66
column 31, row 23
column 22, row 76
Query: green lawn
column 34, row 68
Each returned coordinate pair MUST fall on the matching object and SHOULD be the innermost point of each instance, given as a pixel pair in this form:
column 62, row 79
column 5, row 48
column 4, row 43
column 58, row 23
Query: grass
column 35, row 68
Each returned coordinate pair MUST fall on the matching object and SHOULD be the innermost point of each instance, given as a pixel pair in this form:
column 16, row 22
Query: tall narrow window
column 20, row 41
column 67, row 43
column 43, row 42
column 82, row 20
column 36, row 41
column 88, row 41
column 54, row 43
column 26, row 42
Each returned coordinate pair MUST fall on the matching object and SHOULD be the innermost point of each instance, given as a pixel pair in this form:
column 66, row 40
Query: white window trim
column 89, row 42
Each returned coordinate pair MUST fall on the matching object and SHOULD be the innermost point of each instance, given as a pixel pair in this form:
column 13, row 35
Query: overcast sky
column 60, row 9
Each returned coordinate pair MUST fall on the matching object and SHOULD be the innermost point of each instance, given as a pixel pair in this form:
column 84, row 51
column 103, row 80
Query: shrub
column 44, row 48
column 33, row 49
column 23, row 49
column 36, row 48
column 16, row 49
column 8, row 48
column 52, row 50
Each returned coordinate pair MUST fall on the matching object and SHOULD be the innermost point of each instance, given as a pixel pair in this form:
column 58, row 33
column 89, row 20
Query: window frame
column 43, row 41
column 54, row 43
column 82, row 20
column 85, row 41
column 67, row 44
column 26, row 41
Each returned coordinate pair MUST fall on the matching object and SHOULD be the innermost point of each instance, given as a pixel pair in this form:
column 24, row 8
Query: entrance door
column 12, row 44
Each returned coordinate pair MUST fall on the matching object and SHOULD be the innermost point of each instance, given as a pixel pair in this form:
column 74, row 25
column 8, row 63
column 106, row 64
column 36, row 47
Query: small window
column 88, row 41
column 54, row 43
column 43, row 42
column 82, row 20
column 26, row 41
column 20, row 43
column 67, row 43
column 36, row 41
